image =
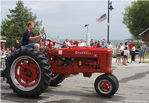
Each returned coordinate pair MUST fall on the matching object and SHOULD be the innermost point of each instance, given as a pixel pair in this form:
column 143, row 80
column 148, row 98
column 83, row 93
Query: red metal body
column 76, row 59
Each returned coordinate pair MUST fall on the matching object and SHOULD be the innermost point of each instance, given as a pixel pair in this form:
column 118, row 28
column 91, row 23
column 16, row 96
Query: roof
column 144, row 32
column 2, row 40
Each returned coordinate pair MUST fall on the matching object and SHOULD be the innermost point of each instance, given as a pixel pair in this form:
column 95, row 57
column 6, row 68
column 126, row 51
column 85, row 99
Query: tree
column 136, row 17
column 16, row 23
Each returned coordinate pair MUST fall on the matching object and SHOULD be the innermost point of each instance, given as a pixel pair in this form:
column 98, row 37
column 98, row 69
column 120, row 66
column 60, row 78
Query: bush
column 138, row 45
column 113, row 55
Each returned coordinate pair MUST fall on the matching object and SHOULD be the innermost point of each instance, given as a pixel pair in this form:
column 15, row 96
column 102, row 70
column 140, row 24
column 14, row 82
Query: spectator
column 126, row 45
column 109, row 45
column 91, row 42
column 128, row 42
column 130, row 48
column 103, row 45
column 133, row 53
column 126, row 52
column 12, row 49
column 17, row 44
column 2, row 46
column 8, row 52
column 122, row 51
column 143, row 48
column 118, row 54
column 3, row 53
column 95, row 45
column 71, row 42
column 82, row 43
column 98, row 44
column 64, row 45
column 67, row 42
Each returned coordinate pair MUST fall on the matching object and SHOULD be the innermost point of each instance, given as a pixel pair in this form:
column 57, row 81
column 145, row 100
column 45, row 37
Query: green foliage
column 138, row 45
column 136, row 17
column 113, row 55
column 16, row 23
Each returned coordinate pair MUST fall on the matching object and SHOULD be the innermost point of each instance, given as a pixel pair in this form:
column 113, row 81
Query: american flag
column 102, row 18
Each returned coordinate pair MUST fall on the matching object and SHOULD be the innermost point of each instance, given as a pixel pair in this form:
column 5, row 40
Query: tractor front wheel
column 106, row 85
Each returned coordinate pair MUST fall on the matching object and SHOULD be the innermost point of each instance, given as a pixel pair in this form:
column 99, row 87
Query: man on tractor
column 28, row 37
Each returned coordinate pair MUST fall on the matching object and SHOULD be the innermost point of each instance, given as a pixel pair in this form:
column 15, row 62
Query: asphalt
column 134, row 88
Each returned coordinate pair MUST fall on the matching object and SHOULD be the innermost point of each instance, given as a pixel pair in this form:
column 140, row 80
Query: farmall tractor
column 30, row 71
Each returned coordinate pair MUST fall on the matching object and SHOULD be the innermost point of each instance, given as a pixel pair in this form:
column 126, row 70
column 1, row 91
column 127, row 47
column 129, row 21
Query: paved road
column 134, row 88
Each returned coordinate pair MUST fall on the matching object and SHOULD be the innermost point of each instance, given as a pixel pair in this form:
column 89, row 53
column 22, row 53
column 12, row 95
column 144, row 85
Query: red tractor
column 30, row 71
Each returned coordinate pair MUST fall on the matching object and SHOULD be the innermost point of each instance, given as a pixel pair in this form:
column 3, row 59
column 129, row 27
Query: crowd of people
column 94, row 44
column 6, row 53
column 123, row 52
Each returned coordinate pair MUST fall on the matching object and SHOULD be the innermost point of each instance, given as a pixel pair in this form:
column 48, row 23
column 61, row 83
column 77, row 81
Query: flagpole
column 108, row 24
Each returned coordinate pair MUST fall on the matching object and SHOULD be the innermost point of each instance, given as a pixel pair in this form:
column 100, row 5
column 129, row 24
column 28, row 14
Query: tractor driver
column 29, row 38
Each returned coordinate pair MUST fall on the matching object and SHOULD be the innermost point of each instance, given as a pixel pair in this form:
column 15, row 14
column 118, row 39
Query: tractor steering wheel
column 43, row 39
column 44, row 36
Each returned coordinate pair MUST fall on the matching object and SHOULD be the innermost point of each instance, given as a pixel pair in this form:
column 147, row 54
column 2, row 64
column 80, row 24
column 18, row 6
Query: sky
column 66, row 18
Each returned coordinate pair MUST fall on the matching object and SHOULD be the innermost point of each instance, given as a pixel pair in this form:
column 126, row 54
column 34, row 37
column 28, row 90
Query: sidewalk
column 115, row 65
column 137, row 60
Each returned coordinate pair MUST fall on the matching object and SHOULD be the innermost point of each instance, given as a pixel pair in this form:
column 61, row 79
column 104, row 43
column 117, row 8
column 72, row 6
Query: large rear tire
column 28, row 72
column 106, row 85
column 56, row 79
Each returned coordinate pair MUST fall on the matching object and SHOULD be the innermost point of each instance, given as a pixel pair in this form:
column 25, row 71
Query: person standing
column 133, row 53
column 126, row 52
column 2, row 46
column 130, row 48
column 71, row 42
column 81, row 43
column 64, row 45
column 95, row 45
column 17, row 44
column 109, row 45
column 8, row 53
column 12, row 49
column 118, row 55
column 67, row 42
column 122, row 52
column 126, row 45
column 143, row 48
column 91, row 42
column 98, row 44
column 103, row 45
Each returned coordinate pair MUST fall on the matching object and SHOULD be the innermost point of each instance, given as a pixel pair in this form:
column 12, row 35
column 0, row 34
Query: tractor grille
column 109, row 60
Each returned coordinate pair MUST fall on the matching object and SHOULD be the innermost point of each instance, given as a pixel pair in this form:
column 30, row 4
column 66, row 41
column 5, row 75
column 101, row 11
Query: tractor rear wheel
column 106, row 85
column 28, row 72
column 56, row 79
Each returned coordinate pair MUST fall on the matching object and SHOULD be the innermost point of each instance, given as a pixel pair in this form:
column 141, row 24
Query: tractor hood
column 81, row 52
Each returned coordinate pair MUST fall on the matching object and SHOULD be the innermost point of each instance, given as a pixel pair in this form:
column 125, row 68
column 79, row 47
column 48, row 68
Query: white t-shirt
column 109, row 46
column 126, row 52
column 133, row 48
column 122, row 48
column 68, row 43
column 81, row 44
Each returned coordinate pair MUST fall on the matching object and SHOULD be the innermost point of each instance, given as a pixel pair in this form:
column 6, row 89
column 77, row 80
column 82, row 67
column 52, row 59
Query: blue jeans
column 30, row 45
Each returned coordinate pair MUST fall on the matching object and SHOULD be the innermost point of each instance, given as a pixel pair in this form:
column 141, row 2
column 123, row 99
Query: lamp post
column 109, row 8
column 87, row 36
